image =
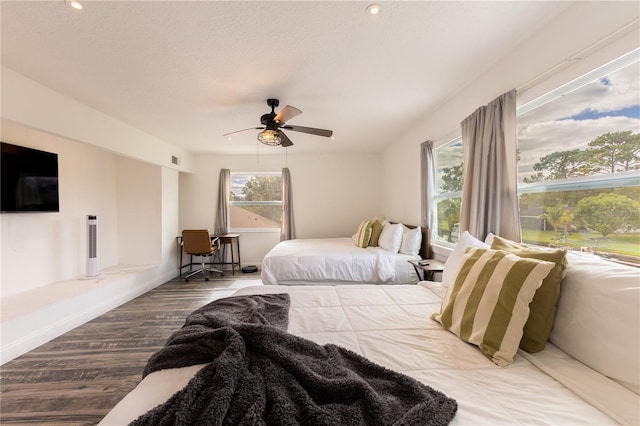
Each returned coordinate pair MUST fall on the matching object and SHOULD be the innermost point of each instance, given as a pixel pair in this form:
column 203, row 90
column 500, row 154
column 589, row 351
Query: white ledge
column 37, row 316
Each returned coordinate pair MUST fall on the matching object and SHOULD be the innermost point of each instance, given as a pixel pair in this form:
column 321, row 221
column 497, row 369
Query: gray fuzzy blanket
column 261, row 375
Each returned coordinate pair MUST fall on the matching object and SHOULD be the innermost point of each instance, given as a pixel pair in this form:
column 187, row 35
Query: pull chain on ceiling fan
column 272, row 123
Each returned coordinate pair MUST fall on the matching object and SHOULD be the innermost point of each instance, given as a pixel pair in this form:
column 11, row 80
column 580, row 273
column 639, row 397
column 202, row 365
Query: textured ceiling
column 189, row 71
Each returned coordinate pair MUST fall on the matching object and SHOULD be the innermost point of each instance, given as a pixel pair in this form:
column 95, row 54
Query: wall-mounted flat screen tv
column 29, row 180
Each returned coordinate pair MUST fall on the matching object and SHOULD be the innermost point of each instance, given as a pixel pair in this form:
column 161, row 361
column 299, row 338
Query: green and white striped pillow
column 364, row 234
column 488, row 302
column 376, row 230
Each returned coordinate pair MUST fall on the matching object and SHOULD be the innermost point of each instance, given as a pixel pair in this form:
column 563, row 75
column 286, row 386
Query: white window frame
column 439, row 196
column 579, row 82
column 589, row 182
column 600, row 181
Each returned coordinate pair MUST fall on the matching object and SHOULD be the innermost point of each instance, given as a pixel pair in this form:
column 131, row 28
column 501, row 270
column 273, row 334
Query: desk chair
column 197, row 242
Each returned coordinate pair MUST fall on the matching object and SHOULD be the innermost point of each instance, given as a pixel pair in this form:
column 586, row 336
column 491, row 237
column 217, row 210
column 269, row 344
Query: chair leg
column 204, row 270
column 193, row 273
column 216, row 270
column 213, row 269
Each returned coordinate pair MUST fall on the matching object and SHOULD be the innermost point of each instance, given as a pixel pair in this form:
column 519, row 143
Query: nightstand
column 427, row 270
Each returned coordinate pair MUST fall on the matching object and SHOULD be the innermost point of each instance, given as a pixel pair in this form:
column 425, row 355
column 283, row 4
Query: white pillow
column 597, row 317
column 411, row 240
column 489, row 239
column 391, row 238
column 454, row 259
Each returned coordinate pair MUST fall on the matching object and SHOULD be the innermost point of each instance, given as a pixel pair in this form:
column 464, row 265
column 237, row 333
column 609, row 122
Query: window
column 579, row 161
column 448, row 191
column 255, row 201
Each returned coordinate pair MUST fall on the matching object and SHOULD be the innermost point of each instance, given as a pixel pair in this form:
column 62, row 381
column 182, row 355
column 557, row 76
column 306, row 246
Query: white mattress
column 390, row 325
column 334, row 261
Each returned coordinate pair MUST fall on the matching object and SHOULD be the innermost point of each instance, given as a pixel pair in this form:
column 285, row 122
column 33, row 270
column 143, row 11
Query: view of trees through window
column 578, row 168
column 448, row 165
column 255, row 200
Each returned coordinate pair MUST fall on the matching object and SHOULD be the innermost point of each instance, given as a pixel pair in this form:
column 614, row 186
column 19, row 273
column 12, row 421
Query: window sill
column 255, row 230
column 440, row 251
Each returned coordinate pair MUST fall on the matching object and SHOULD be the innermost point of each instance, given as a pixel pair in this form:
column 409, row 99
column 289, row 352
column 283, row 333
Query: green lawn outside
column 626, row 244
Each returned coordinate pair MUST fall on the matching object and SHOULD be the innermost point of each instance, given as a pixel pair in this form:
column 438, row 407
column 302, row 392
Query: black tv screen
column 29, row 180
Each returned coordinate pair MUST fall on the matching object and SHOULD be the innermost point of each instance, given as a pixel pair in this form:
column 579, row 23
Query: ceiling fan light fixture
column 272, row 123
column 270, row 137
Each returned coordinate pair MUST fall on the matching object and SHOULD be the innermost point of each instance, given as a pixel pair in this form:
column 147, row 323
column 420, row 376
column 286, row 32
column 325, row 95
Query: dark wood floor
column 78, row 377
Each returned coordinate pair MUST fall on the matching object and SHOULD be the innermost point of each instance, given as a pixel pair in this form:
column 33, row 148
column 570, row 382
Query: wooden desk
column 230, row 240
column 427, row 270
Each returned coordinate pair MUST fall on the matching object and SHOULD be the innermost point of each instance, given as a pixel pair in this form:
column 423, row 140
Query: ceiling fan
column 272, row 124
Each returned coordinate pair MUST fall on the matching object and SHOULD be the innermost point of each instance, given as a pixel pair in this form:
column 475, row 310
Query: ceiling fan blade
column 285, row 141
column 243, row 130
column 310, row 130
column 286, row 114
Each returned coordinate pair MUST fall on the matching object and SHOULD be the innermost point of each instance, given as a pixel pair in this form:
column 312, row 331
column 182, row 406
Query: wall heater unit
column 92, row 246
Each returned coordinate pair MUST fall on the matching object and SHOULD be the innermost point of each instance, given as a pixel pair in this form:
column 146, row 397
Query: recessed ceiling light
column 75, row 4
column 374, row 9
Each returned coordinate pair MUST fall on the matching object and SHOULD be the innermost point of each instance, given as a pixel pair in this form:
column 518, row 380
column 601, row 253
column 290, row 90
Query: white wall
column 331, row 194
column 538, row 65
column 99, row 174
column 170, row 222
column 107, row 168
column 139, row 200
column 41, row 248
column 43, row 254
column 125, row 194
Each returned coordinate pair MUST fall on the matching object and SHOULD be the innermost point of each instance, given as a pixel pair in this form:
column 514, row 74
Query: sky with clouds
column 237, row 184
column 239, row 180
column 609, row 104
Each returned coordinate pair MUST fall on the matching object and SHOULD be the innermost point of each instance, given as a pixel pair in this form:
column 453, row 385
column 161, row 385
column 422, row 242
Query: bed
column 332, row 261
column 415, row 353
column 390, row 325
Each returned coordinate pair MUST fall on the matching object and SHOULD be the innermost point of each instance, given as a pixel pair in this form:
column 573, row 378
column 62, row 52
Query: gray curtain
column 222, row 213
column 427, row 184
column 489, row 194
column 288, row 229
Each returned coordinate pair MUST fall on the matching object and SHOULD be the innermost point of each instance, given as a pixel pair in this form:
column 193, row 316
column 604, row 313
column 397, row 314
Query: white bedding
column 390, row 325
column 334, row 261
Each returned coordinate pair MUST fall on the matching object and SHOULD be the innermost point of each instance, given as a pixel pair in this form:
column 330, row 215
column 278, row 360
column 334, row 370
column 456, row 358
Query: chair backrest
column 196, row 241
